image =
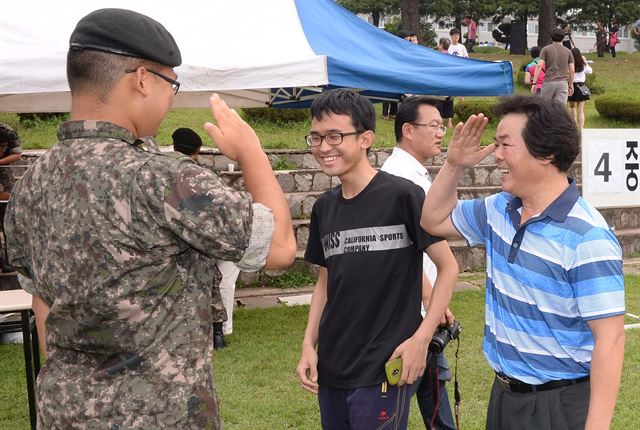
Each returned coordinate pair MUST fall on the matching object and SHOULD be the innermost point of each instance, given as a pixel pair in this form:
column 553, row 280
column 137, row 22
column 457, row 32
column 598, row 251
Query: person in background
column 445, row 106
column 567, row 41
column 530, row 71
column 443, row 45
column 389, row 109
column 635, row 28
column 10, row 152
column 557, row 63
column 578, row 98
column 457, row 49
column 601, row 38
column 419, row 132
column 188, row 142
column 472, row 33
column 613, row 37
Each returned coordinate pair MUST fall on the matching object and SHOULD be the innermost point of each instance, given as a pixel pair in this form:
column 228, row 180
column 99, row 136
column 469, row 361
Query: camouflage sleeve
column 16, row 239
column 195, row 205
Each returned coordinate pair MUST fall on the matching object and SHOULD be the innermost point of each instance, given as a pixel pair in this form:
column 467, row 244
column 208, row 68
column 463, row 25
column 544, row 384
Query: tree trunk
column 546, row 21
column 375, row 16
column 410, row 13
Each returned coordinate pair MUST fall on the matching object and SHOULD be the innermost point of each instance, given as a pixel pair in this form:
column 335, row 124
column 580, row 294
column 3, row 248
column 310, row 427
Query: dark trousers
column 366, row 408
column 389, row 109
column 433, row 400
column 613, row 50
column 558, row 409
column 469, row 44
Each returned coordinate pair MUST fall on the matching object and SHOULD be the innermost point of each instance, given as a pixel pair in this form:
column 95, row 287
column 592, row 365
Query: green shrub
column 489, row 50
column 276, row 115
column 35, row 120
column 594, row 87
column 284, row 163
column 519, row 79
column 464, row 109
column 619, row 106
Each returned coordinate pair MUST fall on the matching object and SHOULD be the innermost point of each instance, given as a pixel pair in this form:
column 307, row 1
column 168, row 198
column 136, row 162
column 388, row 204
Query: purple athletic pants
column 380, row 406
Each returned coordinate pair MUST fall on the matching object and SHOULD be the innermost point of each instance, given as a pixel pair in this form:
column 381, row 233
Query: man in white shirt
column 419, row 132
column 457, row 49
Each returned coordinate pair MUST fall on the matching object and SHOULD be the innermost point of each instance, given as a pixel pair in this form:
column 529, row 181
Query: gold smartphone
column 393, row 368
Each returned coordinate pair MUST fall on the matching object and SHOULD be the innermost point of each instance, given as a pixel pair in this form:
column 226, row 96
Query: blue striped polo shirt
column 545, row 280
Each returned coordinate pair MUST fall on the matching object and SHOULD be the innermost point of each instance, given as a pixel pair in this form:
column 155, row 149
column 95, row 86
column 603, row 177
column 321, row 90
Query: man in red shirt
column 472, row 33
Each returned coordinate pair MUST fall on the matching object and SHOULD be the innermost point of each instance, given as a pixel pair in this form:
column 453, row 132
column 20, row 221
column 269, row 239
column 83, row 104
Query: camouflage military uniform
column 118, row 240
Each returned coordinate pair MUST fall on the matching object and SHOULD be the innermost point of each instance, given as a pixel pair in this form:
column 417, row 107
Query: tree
column 546, row 21
column 588, row 11
column 374, row 7
column 410, row 13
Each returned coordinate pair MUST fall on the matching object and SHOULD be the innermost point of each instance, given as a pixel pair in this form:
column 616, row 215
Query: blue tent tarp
column 361, row 56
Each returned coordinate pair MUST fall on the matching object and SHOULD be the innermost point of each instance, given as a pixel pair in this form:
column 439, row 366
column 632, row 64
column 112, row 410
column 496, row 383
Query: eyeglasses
column 174, row 84
column 333, row 139
column 437, row 127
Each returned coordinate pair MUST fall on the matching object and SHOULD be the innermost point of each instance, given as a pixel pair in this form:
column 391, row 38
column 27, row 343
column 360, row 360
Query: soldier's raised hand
column 232, row 135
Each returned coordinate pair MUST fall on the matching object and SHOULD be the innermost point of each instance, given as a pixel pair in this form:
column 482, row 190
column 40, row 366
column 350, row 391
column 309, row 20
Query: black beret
column 125, row 32
column 186, row 141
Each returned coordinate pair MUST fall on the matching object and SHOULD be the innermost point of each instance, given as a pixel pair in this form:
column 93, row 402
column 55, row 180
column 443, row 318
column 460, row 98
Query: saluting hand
column 464, row 149
column 232, row 135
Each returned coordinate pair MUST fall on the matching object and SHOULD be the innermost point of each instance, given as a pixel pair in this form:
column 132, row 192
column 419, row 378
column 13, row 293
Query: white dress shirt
column 401, row 163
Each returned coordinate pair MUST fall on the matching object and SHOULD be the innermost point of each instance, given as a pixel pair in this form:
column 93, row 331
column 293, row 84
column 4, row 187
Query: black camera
column 443, row 336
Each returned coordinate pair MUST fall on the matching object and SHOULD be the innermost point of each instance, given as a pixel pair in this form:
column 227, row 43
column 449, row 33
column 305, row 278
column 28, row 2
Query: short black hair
column 467, row 17
column 187, row 141
column 408, row 112
column 97, row 72
column 549, row 131
column 535, row 51
column 341, row 101
column 557, row 34
column 345, row 102
column 454, row 31
column 405, row 33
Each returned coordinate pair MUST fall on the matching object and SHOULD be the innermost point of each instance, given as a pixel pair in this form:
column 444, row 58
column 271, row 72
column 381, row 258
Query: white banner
column 611, row 167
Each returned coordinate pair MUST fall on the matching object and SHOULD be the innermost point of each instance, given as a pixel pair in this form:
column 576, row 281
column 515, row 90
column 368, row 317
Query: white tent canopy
column 252, row 52
column 239, row 48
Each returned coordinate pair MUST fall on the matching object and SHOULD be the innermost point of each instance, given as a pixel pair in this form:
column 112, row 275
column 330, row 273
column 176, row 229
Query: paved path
column 272, row 297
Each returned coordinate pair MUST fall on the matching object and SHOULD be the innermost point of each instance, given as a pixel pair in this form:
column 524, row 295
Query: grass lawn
column 258, row 388
column 619, row 75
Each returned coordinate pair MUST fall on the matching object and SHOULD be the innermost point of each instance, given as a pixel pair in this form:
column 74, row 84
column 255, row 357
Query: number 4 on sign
column 602, row 168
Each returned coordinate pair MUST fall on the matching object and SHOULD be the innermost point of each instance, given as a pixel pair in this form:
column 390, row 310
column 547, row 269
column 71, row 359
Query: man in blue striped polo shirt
column 554, row 330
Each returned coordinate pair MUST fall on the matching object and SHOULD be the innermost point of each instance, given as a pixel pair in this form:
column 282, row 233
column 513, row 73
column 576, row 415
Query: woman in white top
column 577, row 99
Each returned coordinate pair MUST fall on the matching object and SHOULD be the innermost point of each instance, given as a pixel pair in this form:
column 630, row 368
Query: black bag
column 584, row 89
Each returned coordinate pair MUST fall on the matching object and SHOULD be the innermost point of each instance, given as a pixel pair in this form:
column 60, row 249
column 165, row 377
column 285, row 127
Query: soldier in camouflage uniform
column 116, row 239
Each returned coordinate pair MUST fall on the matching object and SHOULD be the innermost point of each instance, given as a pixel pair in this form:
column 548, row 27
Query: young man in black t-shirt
column 366, row 237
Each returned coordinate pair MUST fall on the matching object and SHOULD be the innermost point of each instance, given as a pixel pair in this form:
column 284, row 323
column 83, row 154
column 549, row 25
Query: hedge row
column 276, row 115
column 464, row 109
column 619, row 107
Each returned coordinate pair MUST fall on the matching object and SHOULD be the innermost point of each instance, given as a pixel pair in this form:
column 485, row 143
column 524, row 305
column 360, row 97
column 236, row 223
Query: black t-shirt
column 372, row 246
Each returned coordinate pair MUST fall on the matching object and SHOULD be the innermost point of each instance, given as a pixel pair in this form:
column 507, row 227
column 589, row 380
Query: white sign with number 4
column 611, row 167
